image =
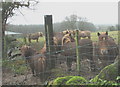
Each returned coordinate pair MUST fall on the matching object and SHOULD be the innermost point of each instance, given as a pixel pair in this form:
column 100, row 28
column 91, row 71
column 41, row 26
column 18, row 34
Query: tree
column 83, row 25
column 8, row 10
column 117, row 27
column 76, row 22
column 71, row 21
column 112, row 28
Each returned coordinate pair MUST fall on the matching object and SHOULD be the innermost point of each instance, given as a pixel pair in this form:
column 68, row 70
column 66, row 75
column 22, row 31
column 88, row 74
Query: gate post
column 49, row 40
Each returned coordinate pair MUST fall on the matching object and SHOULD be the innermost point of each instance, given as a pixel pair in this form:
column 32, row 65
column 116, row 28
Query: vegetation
column 8, row 10
column 69, row 23
column 25, row 29
column 108, row 77
column 112, row 28
column 17, row 66
column 109, row 73
column 78, row 80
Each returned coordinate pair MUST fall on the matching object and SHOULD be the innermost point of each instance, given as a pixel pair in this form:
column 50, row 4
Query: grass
column 37, row 45
column 113, row 34
column 17, row 66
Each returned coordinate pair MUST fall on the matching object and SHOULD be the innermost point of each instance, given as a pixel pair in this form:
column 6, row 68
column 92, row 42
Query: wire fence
column 62, row 57
column 73, row 48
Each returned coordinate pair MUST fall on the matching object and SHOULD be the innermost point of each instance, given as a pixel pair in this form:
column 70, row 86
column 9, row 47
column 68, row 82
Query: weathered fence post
column 119, row 38
column 77, row 50
column 49, row 40
column 1, row 50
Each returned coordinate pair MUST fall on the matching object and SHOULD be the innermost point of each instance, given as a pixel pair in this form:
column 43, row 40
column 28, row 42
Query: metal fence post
column 77, row 50
column 49, row 40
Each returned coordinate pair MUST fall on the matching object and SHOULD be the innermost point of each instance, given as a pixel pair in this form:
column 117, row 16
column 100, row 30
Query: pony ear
column 98, row 34
column 106, row 32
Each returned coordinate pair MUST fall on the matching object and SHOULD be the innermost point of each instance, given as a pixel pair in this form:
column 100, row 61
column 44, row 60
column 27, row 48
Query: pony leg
column 92, row 63
column 32, row 68
column 29, row 40
column 89, row 37
column 36, row 40
column 69, row 63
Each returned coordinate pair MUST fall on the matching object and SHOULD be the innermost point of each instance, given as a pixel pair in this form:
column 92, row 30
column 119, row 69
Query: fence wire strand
column 56, row 57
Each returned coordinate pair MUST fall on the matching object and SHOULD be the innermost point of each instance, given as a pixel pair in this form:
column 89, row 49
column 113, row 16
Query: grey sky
column 95, row 12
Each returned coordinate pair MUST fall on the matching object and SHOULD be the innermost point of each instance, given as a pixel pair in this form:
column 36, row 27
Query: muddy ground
column 11, row 78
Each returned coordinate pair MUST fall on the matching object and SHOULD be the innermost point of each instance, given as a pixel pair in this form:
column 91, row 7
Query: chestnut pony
column 69, row 50
column 34, row 36
column 36, row 61
column 106, row 49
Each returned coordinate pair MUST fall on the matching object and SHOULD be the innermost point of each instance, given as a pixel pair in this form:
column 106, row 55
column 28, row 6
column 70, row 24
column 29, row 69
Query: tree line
column 70, row 22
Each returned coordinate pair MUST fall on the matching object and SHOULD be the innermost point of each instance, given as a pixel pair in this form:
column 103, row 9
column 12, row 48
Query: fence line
column 68, row 49
column 71, row 57
column 59, row 58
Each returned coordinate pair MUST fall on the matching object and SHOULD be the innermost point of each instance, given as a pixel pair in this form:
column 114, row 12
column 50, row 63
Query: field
column 18, row 68
column 94, row 37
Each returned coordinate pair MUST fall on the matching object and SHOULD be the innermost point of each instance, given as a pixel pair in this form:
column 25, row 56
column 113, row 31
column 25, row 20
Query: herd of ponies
column 104, row 50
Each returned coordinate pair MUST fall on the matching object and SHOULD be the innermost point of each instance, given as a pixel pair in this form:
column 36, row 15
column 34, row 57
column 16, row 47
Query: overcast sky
column 95, row 12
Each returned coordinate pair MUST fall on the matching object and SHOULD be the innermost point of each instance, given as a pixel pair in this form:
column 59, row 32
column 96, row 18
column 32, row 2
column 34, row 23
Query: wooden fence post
column 119, row 38
column 77, row 50
column 1, row 50
column 49, row 40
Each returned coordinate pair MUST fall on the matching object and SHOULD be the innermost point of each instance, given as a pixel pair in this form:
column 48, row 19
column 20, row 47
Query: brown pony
column 37, row 62
column 84, row 34
column 69, row 47
column 44, row 50
column 58, row 40
column 66, row 31
column 35, row 36
column 106, row 49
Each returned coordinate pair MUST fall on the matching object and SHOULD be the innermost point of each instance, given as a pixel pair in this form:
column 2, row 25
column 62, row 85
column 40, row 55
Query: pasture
column 18, row 67
column 39, row 45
